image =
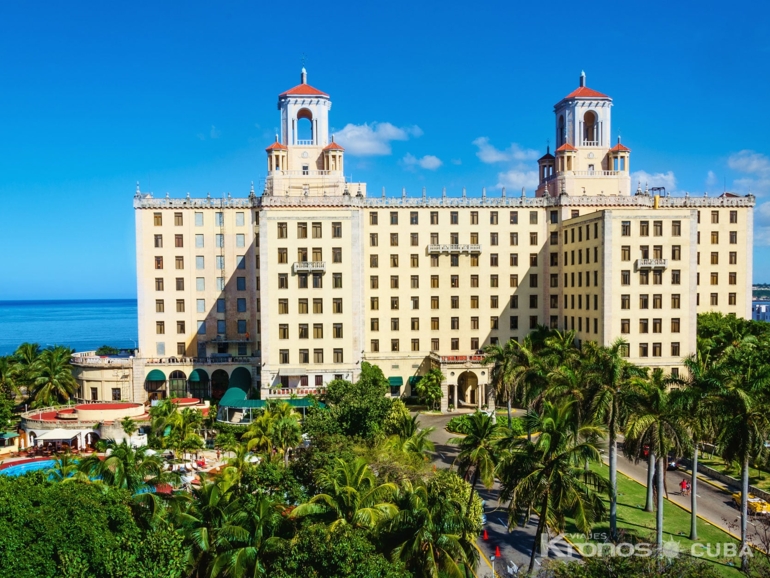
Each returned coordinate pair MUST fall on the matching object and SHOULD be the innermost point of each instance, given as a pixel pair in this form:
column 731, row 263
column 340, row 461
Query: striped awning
column 396, row 381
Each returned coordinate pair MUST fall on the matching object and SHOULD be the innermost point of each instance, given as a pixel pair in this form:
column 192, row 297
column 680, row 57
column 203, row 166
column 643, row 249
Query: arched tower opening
column 590, row 129
column 561, row 132
column 305, row 127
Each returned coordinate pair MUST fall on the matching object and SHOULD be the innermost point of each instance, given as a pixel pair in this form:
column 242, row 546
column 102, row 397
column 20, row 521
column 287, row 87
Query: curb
column 728, row 532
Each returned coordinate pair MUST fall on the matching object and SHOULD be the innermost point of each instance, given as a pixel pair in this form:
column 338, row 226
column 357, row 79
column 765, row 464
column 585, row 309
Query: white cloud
column 489, row 154
column 762, row 224
column 517, row 178
column 429, row 162
column 711, row 180
column 650, row 180
column 457, row 161
column 747, row 161
column 373, row 139
column 215, row 132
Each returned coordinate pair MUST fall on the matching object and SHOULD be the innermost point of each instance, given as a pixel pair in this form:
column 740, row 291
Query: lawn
column 757, row 478
column 633, row 520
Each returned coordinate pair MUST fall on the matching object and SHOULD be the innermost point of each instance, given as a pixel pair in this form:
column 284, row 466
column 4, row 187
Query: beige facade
column 304, row 282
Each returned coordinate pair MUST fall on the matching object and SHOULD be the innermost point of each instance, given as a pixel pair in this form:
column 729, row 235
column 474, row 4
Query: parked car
column 755, row 506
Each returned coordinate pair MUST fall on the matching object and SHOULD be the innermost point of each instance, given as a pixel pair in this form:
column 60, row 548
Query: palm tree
column 502, row 357
column 134, row 470
column 432, row 542
column 429, row 387
column 697, row 400
column 547, row 475
column 411, row 439
column 66, row 469
column 609, row 375
column 26, row 356
column 245, row 540
column 9, row 374
column 351, row 496
column 129, row 426
column 478, row 451
column 287, row 434
column 51, row 376
column 655, row 419
column 742, row 400
column 259, row 434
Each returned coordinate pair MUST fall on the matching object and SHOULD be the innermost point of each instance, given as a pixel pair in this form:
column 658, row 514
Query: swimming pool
column 24, row 468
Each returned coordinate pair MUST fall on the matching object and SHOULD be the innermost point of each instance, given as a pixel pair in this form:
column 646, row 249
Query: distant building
column 761, row 312
column 285, row 289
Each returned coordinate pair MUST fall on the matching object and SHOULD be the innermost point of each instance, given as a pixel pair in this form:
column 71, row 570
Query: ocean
column 80, row 324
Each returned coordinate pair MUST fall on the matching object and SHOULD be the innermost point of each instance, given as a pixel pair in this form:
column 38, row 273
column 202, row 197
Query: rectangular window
column 625, row 277
column 643, row 350
column 374, row 261
column 336, row 280
column 733, row 237
column 180, row 283
column 318, row 331
column 625, row 326
column 657, row 301
column 732, row 299
column 283, row 306
column 532, row 280
column 434, row 302
column 415, row 324
column 715, row 278
column 394, row 344
column 625, row 253
column 318, row 356
column 160, row 327
column 644, row 228
column 240, row 240
column 657, row 228
column 675, row 276
column 180, row 305
column 414, row 239
column 533, row 238
column 513, row 322
column 644, row 301
column 453, row 218
column 394, row 217
column 714, row 237
column 625, row 228
column 373, row 218
column 336, row 230
column 159, row 306
column 675, row 301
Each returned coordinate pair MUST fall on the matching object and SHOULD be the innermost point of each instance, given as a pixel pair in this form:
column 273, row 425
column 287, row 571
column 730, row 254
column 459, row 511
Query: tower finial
column 582, row 78
column 303, row 75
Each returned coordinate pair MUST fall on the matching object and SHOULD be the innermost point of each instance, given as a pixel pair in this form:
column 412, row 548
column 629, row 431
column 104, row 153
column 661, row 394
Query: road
column 714, row 505
column 516, row 545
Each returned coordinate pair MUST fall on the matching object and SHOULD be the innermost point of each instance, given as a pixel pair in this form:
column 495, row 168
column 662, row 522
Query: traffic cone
column 497, row 551
column 486, row 535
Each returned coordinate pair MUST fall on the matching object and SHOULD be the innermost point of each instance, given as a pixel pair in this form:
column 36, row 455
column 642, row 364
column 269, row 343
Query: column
column 444, row 396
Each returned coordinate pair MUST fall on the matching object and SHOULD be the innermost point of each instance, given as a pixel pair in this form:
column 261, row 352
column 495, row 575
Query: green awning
column 414, row 380
column 396, row 381
column 156, row 375
column 8, row 435
column 199, row 375
column 236, row 397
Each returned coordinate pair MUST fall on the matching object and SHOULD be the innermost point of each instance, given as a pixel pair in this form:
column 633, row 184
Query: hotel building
column 279, row 292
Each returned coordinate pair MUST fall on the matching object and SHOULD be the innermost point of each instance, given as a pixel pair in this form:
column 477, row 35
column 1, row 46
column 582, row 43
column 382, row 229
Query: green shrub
column 459, row 424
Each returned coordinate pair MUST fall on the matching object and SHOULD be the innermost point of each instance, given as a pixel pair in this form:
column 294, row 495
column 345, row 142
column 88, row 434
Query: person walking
column 683, row 487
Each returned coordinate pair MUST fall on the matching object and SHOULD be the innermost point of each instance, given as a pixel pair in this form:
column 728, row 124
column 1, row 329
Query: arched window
column 305, row 127
column 220, row 381
column 561, row 134
column 177, row 384
column 590, row 129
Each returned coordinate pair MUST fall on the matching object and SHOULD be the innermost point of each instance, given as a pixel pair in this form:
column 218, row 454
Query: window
column 454, row 323
column 394, row 217
column 533, row 321
column 533, row 238
column 454, row 344
column 159, row 262
column 283, row 280
column 434, row 323
column 434, row 281
column 625, row 253
column 674, row 325
column 180, row 284
column 180, row 305
column 318, row 280
column 317, row 232
column 644, row 301
column 415, row 345
column 394, row 239
column 374, row 324
column 643, row 350
column 157, row 219
column 283, row 231
column 415, row 282
column 283, row 256
column 337, row 230
column 732, row 278
column 625, row 277
column 533, row 259
column 415, row 324
column 732, row 299
column 201, row 328
column 533, row 280
column 374, row 303
column 733, row 258
column 336, row 280
column 394, row 260
column 394, row 344
column 160, row 327
column 434, row 302
column 240, row 240
column 453, row 218
column 414, row 260
column 318, row 356
column 414, row 239
column 373, row 218
column 283, row 306
column 733, row 237
column 394, row 281
column 644, row 228
column 656, row 349
column 337, row 330
column 283, row 356
column 675, row 301
column 533, row 301
column 675, row 277
column 657, row 301
column 676, row 252
column 337, row 255
column 714, row 237
column 657, row 228
column 493, row 281
column 625, row 326
column 715, row 278
column 474, row 301
column 657, row 325
column 318, row 330
column 375, row 345
column 455, row 302
column 454, row 260
column 474, row 217
column 514, row 280
column 159, row 306
column 415, row 301
column 493, row 259
column 434, row 217
column 337, row 305
column 374, row 261
column 514, row 259
column 625, row 228
column 644, row 277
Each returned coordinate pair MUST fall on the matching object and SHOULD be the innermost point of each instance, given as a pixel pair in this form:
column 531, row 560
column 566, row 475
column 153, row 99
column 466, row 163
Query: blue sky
column 182, row 98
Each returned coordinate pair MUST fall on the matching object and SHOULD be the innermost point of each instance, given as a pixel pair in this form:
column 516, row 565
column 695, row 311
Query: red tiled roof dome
column 333, row 146
column 620, row 147
column 277, row 146
column 303, row 90
column 566, row 147
column 585, row 92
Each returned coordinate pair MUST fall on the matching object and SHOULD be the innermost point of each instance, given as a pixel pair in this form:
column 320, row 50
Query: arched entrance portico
column 467, row 388
column 220, row 381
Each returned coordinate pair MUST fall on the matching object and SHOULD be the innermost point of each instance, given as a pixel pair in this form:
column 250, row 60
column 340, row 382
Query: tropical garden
column 350, row 490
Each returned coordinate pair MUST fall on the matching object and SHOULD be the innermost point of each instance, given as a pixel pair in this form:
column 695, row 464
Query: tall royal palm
column 478, row 450
column 743, row 403
column 51, row 376
column 657, row 420
column 696, row 396
column 608, row 377
column 502, row 358
column 547, row 475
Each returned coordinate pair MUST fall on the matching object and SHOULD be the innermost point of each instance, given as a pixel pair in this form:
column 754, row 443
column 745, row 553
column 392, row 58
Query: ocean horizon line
column 63, row 301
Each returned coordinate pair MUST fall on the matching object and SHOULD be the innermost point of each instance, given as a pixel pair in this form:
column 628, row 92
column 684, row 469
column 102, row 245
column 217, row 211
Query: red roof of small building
column 620, row 147
column 303, row 90
column 333, row 146
column 585, row 92
column 566, row 147
column 277, row 145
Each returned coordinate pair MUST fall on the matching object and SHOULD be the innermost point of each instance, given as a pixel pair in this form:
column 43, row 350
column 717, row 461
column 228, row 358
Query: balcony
column 651, row 263
column 458, row 359
column 471, row 248
column 309, row 266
